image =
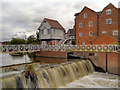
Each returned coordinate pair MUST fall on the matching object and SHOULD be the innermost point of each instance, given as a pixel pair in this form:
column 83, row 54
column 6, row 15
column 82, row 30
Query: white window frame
column 48, row 31
column 90, row 24
column 83, row 43
column 80, row 34
column 108, row 12
column 115, row 32
column 80, row 25
column 85, row 15
column 90, row 33
column 108, row 20
column 104, row 32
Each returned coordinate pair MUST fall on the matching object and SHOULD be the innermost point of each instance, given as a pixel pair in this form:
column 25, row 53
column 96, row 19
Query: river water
column 91, row 80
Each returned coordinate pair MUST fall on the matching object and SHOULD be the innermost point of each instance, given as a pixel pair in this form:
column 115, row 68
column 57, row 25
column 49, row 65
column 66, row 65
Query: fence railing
column 27, row 48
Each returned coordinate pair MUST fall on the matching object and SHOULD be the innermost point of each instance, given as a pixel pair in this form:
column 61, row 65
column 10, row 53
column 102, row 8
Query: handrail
column 27, row 48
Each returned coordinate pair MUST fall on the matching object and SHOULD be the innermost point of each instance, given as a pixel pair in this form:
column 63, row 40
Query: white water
column 57, row 79
column 95, row 80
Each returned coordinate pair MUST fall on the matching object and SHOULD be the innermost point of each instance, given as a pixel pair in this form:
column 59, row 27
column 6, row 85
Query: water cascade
column 52, row 77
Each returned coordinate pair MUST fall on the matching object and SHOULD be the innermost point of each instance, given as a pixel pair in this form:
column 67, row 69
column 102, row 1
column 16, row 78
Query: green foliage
column 17, row 41
column 115, row 43
column 37, row 34
column 31, row 39
column 73, row 42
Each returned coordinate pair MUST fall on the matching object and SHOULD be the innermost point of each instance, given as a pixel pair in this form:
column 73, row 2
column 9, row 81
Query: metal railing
column 28, row 48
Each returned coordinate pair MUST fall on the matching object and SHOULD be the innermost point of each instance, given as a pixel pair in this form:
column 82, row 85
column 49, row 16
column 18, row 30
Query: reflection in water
column 7, row 59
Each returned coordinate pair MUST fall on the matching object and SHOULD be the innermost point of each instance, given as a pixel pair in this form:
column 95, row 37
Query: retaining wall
column 108, row 61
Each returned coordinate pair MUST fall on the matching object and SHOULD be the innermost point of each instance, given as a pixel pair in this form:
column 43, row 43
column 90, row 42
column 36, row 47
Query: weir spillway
column 47, row 76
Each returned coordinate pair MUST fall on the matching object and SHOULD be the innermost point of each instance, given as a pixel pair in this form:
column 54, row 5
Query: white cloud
column 25, row 16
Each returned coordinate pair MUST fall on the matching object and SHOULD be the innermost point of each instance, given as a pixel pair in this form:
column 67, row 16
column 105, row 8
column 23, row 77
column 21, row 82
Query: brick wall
column 91, row 16
column 99, row 24
column 58, row 54
column 113, row 16
column 99, row 59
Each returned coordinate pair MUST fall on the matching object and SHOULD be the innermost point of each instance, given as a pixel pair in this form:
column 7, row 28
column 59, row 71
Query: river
column 89, row 79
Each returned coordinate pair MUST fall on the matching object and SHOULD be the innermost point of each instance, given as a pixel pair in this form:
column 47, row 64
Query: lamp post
column 25, row 45
column 25, row 39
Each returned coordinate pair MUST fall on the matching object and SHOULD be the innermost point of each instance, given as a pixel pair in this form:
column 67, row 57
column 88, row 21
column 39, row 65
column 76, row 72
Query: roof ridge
column 50, row 19
column 89, row 9
column 54, row 24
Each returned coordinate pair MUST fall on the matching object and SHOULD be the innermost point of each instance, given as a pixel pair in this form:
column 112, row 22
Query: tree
column 37, row 34
column 73, row 42
column 31, row 39
column 17, row 41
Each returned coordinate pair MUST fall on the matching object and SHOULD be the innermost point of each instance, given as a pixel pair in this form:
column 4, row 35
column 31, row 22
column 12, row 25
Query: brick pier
column 109, row 61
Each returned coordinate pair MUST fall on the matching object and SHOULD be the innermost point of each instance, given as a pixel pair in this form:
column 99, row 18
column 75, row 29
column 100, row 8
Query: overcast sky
column 23, row 17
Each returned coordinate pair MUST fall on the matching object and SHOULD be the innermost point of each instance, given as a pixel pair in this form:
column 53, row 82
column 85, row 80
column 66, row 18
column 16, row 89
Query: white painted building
column 51, row 30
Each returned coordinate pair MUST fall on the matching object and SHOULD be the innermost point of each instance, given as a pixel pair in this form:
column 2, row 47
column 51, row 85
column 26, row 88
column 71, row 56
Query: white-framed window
column 90, row 24
column 115, row 32
column 104, row 32
column 83, row 43
column 85, row 15
column 90, row 33
column 80, row 25
column 108, row 21
column 48, row 31
column 41, row 31
column 108, row 11
column 80, row 34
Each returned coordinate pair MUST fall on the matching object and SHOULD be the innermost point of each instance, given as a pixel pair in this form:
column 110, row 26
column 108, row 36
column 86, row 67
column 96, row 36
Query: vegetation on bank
column 30, row 40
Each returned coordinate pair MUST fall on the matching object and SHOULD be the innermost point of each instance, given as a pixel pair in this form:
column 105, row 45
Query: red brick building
column 86, row 26
column 90, row 26
column 108, row 21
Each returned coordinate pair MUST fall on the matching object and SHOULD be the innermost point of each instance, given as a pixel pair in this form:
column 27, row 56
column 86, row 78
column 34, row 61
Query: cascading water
column 56, row 76
column 53, row 77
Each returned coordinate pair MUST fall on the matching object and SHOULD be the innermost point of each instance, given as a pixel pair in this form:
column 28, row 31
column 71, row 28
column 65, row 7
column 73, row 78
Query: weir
column 53, row 76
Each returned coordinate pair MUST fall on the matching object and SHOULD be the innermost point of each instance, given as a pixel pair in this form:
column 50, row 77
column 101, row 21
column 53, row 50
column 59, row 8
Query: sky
column 23, row 17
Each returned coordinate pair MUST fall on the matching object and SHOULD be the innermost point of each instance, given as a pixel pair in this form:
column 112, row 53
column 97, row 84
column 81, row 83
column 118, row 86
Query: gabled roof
column 104, row 39
column 71, row 32
column 97, row 13
column 110, row 5
column 54, row 23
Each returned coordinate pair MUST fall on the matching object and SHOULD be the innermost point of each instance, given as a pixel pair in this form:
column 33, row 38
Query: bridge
column 34, row 48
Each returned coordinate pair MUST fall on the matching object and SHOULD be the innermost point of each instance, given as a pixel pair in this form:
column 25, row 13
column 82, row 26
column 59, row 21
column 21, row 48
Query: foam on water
column 95, row 80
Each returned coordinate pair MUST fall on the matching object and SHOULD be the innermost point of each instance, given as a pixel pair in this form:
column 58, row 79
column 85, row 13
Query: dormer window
column 115, row 32
column 108, row 11
column 108, row 21
column 85, row 15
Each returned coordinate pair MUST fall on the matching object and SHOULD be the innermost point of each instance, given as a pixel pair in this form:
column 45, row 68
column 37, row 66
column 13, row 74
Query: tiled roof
column 97, row 13
column 104, row 39
column 54, row 24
